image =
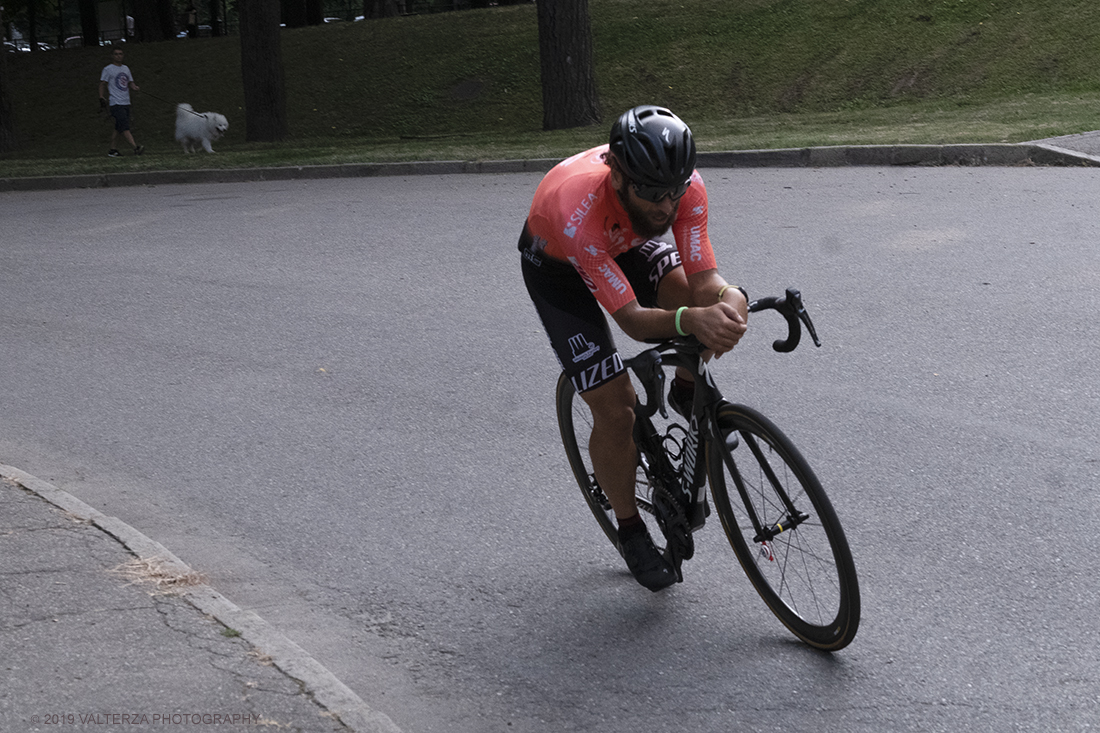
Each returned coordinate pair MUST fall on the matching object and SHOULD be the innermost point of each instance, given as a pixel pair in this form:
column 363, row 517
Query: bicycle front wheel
column 783, row 529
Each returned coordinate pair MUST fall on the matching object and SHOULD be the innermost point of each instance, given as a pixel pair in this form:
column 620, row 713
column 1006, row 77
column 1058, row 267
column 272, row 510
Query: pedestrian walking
column 115, row 84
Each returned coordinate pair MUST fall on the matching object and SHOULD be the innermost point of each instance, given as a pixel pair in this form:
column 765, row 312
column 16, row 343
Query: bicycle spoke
column 796, row 580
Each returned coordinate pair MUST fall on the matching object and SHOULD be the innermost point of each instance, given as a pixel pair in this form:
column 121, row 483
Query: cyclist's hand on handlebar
column 718, row 326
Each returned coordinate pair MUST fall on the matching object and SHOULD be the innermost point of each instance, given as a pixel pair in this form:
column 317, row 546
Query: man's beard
column 642, row 225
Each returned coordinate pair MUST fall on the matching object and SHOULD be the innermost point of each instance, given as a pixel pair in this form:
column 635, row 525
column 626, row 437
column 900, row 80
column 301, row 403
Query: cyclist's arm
column 641, row 323
column 717, row 322
column 719, row 325
column 705, row 287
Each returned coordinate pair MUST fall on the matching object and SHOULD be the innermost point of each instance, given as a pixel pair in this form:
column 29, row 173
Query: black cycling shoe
column 647, row 565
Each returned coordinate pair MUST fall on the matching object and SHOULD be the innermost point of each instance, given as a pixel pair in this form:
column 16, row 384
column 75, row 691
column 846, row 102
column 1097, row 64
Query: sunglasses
column 657, row 194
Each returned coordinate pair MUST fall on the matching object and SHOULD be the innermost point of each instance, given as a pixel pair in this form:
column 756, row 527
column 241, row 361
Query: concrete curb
column 287, row 173
column 317, row 681
column 1021, row 154
column 1024, row 154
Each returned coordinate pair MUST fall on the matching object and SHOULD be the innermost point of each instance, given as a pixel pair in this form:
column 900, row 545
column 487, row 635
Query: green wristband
column 680, row 312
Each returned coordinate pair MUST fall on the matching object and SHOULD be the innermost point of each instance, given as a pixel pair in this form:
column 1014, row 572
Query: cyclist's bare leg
column 614, row 456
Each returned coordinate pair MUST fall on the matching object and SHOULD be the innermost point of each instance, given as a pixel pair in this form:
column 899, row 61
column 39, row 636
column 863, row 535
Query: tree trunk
column 262, row 71
column 569, row 96
column 300, row 13
column 215, row 21
column 153, row 20
column 89, row 22
column 380, row 8
column 7, row 122
column 166, row 17
column 293, row 13
column 32, row 25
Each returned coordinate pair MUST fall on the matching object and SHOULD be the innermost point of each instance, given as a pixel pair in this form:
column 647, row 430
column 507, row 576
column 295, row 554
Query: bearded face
column 648, row 220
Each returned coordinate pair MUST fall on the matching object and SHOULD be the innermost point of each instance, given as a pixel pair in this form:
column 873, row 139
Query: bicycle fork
column 794, row 517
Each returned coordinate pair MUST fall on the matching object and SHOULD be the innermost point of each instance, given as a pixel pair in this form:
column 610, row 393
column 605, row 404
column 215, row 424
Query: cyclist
column 591, row 240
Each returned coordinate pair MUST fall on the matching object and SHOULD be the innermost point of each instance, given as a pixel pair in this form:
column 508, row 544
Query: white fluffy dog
column 194, row 128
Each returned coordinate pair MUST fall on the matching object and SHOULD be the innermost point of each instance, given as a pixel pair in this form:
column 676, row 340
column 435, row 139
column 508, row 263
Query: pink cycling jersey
column 577, row 217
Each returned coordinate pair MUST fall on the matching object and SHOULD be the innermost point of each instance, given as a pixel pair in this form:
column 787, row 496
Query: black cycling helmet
column 654, row 147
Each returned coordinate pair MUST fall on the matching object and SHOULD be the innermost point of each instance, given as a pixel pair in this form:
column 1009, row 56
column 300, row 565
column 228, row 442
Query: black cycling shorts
column 578, row 330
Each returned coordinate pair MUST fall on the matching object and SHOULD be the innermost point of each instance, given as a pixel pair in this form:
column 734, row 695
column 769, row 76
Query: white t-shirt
column 118, row 80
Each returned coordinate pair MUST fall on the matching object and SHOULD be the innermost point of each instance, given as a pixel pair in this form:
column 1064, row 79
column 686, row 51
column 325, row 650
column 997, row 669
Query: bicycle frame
column 688, row 483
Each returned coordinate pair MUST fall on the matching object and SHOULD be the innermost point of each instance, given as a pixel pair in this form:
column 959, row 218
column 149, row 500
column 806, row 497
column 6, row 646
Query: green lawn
column 464, row 86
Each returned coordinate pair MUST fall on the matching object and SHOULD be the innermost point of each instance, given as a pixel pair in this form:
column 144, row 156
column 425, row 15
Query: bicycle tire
column 806, row 575
column 575, row 424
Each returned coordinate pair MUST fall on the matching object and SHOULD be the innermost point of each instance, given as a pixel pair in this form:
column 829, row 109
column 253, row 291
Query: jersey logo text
column 582, row 348
column 613, row 280
column 696, row 244
column 598, row 373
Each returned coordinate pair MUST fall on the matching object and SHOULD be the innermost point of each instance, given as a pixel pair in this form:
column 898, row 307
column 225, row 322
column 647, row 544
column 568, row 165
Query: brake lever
column 794, row 299
column 805, row 317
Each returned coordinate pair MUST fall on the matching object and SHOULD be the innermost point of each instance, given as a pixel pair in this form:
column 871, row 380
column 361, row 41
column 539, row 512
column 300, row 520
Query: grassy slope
column 755, row 73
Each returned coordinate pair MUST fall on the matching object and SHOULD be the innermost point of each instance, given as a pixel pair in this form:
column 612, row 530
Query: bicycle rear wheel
column 799, row 561
column 575, row 423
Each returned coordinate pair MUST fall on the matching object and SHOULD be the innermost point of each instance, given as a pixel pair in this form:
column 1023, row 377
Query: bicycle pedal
column 675, row 562
column 681, row 540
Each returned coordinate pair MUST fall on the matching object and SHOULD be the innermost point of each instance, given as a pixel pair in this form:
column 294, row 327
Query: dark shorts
column 578, row 330
column 121, row 113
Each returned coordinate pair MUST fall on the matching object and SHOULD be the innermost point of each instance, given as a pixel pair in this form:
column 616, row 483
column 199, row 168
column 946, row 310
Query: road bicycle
column 773, row 509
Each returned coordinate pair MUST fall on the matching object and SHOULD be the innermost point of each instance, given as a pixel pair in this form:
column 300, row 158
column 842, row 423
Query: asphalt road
column 334, row 399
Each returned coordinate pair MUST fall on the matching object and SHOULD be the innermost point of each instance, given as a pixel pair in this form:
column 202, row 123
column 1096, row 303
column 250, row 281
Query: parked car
column 25, row 46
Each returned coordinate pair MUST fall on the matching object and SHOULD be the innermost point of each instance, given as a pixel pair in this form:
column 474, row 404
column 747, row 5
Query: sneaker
column 647, row 565
column 139, row 150
column 112, row 153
